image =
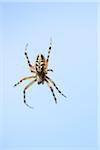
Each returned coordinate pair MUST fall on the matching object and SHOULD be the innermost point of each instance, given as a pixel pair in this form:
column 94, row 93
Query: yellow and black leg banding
column 51, row 90
column 48, row 53
column 24, row 92
column 49, row 50
column 26, row 78
column 28, row 61
column 50, row 70
column 55, row 85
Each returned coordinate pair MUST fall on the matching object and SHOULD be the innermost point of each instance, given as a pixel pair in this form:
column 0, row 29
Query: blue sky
column 72, row 122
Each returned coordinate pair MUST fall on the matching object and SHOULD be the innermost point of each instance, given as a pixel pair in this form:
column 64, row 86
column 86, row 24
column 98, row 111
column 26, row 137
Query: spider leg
column 51, row 90
column 24, row 92
column 26, row 78
column 32, row 69
column 55, row 85
column 49, row 50
column 28, row 61
column 50, row 70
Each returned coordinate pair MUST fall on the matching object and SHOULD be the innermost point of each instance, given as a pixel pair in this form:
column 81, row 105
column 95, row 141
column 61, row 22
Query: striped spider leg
column 28, row 61
column 48, row 83
column 55, row 85
column 47, row 60
column 29, row 85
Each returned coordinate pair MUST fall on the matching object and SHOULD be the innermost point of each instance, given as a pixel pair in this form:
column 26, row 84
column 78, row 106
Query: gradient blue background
column 72, row 122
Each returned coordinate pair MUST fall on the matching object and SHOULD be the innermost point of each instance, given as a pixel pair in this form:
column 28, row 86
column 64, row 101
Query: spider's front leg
column 24, row 92
column 28, row 61
column 49, row 50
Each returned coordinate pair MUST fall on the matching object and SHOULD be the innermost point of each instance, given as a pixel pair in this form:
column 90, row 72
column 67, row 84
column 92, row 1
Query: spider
column 39, row 71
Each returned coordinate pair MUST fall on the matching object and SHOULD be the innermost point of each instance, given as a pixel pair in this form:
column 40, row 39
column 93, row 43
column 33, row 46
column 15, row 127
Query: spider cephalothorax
column 40, row 71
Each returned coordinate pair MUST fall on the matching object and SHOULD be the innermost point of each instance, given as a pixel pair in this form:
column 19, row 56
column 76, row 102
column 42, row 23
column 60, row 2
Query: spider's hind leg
column 51, row 90
column 55, row 85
